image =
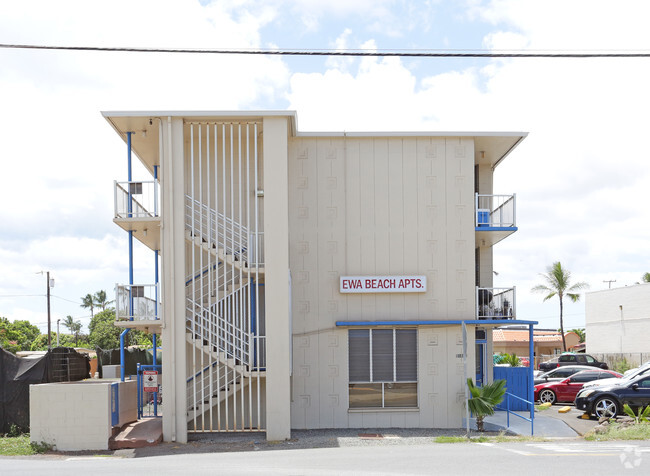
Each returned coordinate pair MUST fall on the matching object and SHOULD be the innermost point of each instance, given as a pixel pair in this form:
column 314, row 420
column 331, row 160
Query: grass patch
column 639, row 431
column 500, row 438
column 20, row 446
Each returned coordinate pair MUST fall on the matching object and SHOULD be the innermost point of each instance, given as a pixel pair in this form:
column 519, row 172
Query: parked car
column 608, row 400
column 560, row 373
column 636, row 369
column 572, row 359
column 626, row 376
column 567, row 389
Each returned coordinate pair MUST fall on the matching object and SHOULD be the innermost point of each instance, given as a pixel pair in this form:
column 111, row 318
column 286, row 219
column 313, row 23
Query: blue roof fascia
column 496, row 228
column 500, row 322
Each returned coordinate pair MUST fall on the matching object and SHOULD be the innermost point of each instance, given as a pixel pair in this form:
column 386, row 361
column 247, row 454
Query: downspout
column 126, row 331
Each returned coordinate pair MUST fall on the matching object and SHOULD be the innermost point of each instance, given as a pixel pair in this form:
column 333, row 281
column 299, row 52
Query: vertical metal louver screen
column 359, row 343
column 406, row 361
column 382, row 355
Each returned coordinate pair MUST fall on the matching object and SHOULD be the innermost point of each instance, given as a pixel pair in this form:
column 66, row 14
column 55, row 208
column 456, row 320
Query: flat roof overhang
column 490, row 148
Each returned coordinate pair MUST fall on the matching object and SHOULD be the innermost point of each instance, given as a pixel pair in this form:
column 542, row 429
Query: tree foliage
column 558, row 282
column 485, row 399
column 645, row 278
column 100, row 299
column 88, row 302
column 17, row 335
column 581, row 333
column 104, row 333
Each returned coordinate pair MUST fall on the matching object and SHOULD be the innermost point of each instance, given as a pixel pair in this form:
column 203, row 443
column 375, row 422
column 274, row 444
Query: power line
column 323, row 52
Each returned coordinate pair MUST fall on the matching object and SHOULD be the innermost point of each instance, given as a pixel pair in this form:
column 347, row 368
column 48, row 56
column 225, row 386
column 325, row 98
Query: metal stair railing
column 231, row 234
column 225, row 330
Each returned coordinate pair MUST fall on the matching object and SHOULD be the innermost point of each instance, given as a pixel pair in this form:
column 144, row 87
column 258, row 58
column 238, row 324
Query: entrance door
column 480, row 356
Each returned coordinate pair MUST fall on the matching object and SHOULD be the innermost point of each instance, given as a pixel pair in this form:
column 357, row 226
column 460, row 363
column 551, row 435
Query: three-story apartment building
column 313, row 280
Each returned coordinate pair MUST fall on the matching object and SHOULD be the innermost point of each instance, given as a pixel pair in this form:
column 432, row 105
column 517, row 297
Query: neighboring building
column 545, row 342
column 618, row 320
column 314, row 280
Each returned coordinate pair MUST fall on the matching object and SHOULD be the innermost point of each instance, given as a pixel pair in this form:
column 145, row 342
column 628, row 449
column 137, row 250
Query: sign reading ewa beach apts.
column 383, row 284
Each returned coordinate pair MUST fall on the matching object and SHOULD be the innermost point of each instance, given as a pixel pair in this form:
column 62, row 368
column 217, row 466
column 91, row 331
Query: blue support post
column 122, row 356
column 531, row 376
column 123, row 334
column 253, row 319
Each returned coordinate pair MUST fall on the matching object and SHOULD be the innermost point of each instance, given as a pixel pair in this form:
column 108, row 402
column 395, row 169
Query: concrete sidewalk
column 549, row 423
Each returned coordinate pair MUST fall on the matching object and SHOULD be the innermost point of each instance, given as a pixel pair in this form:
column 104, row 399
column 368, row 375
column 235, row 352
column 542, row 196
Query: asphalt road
column 559, row 457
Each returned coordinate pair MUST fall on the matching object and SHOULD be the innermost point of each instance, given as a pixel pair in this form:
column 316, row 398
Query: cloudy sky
column 581, row 176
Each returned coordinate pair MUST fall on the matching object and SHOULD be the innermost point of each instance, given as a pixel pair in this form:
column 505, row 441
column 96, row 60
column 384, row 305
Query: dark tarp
column 18, row 373
column 131, row 357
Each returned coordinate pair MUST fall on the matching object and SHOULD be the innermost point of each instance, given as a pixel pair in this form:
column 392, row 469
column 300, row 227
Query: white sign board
column 150, row 380
column 383, row 284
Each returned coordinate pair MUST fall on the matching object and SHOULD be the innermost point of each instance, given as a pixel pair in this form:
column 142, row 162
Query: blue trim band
column 496, row 228
column 500, row 322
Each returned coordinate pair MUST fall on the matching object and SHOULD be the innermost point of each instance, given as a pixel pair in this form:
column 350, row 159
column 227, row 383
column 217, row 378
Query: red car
column 567, row 389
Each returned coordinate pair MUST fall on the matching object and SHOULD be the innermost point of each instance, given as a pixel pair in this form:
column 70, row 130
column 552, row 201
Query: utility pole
column 610, row 281
column 57, row 331
column 49, row 322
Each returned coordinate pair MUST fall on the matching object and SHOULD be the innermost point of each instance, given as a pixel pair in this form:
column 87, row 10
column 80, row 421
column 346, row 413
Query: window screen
column 382, row 367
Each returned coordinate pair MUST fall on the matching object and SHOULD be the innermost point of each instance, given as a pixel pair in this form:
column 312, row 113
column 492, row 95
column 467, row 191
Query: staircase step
column 138, row 434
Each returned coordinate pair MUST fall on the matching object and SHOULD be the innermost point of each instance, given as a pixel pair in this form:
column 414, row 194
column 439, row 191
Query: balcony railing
column 495, row 211
column 136, row 199
column 495, row 303
column 136, row 302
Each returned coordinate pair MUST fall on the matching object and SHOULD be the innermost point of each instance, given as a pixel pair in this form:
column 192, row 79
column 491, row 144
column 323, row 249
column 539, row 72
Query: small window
column 382, row 368
column 584, row 377
column 645, row 383
column 564, row 373
column 589, row 359
column 567, row 358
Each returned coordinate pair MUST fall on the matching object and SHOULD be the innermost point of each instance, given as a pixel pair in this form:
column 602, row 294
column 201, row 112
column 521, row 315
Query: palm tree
column 485, row 399
column 101, row 300
column 76, row 330
column 69, row 323
column 74, row 327
column 88, row 302
column 646, row 278
column 558, row 283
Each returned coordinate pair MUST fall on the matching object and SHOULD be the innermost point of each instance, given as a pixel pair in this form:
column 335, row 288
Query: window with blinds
column 382, row 368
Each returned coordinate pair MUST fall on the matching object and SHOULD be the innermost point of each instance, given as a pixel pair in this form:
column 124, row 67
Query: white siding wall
column 379, row 206
column 618, row 320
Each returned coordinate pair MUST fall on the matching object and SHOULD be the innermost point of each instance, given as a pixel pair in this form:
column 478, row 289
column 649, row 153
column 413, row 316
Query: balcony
column 495, row 303
column 137, row 210
column 495, row 218
column 137, row 306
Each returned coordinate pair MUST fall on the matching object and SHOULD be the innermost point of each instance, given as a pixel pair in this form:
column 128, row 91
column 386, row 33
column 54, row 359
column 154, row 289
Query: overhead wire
column 350, row 52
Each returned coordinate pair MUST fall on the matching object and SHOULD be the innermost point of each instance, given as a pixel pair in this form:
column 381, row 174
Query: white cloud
column 580, row 175
column 60, row 157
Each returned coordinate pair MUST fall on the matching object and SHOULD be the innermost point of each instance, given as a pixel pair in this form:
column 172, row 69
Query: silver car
column 560, row 373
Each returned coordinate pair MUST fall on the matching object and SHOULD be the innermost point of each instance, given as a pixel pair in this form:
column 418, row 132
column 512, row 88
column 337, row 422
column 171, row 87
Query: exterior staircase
column 223, row 325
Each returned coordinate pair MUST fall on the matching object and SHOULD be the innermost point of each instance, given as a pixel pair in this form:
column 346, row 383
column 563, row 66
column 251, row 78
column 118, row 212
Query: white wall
column 379, row 206
column 618, row 320
column 75, row 416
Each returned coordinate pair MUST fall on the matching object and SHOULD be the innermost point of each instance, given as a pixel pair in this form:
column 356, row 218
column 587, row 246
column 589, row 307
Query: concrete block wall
column 73, row 416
